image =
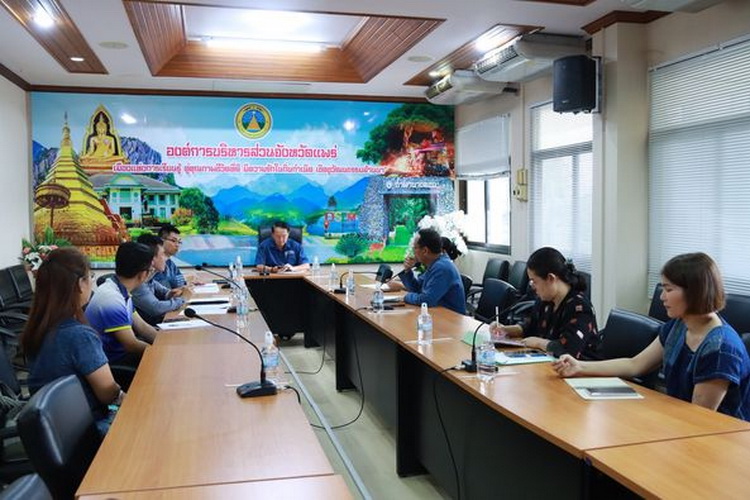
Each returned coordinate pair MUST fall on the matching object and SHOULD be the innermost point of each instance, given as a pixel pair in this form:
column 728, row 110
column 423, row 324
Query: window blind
column 483, row 149
column 699, row 162
column 560, row 191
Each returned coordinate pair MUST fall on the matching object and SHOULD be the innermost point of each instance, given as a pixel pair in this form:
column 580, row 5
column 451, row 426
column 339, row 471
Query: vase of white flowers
column 450, row 225
column 34, row 254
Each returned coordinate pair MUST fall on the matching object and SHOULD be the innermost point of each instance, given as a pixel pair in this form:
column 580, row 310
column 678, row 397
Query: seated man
column 279, row 254
column 151, row 299
column 171, row 277
column 110, row 311
column 440, row 284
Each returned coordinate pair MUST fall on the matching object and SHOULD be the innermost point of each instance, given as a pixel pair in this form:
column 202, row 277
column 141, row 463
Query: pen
column 497, row 314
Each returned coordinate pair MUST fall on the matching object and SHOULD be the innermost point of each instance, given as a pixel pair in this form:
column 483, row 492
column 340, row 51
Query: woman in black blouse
column 562, row 321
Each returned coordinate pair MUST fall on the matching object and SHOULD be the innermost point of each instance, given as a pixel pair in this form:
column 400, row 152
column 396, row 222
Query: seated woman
column 562, row 321
column 57, row 340
column 704, row 359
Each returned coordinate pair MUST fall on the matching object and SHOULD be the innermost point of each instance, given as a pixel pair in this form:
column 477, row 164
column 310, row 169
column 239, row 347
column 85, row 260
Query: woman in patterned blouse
column 563, row 320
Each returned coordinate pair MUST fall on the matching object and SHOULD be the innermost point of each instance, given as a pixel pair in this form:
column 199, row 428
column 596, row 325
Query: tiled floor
column 370, row 446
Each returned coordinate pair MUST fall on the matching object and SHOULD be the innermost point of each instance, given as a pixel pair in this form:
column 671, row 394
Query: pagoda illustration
column 67, row 202
column 101, row 144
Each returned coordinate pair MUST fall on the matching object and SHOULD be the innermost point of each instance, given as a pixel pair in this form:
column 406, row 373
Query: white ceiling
column 106, row 21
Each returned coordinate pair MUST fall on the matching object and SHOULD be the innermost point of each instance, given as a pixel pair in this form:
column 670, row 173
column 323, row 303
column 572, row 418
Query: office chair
column 656, row 309
column 626, row 334
column 295, row 233
column 466, row 280
column 28, row 487
column 21, row 282
column 587, row 278
column 518, row 277
column 495, row 268
column 104, row 277
column 496, row 294
column 58, row 431
column 736, row 312
column 13, row 461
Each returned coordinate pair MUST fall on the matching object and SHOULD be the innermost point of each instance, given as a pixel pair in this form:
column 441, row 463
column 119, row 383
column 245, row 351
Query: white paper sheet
column 183, row 325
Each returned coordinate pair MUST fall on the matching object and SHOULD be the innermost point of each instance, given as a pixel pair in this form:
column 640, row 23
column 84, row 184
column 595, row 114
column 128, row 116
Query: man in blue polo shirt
column 110, row 311
column 440, row 284
column 280, row 254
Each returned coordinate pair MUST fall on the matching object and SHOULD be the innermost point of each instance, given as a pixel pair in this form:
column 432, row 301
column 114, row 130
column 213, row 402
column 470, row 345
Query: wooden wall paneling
column 160, row 30
column 62, row 40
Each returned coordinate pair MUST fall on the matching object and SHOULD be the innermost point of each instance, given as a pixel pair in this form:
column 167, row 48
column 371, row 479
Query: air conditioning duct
column 526, row 57
column 672, row 5
column 461, row 87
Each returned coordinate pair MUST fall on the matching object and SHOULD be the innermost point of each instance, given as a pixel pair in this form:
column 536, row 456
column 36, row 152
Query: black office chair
column 495, row 268
column 518, row 277
column 626, row 334
column 14, row 462
column 496, row 294
column 656, row 309
column 21, row 282
column 104, row 277
column 587, row 278
column 746, row 340
column 467, row 281
column 736, row 312
column 28, row 487
column 58, row 431
column 295, row 233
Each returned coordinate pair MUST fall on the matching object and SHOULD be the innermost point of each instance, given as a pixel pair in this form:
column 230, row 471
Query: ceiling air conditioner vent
column 462, row 87
column 526, row 57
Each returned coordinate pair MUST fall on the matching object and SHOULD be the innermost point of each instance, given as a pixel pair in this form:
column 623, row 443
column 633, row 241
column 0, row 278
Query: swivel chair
column 59, row 434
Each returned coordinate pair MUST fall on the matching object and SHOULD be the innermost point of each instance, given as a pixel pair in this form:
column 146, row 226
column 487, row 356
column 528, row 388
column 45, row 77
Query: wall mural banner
column 355, row 176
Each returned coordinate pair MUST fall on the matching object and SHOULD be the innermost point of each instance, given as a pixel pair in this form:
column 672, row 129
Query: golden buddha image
column 101, row 144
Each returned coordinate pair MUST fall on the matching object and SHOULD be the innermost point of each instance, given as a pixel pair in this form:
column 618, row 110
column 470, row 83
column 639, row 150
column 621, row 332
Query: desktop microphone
column 251, row 389
column 382, row 275
column 470, row 365
column 204, row 267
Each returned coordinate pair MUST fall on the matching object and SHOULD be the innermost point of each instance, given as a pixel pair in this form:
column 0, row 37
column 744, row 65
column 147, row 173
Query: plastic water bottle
column 333, row 278
column 424, row 326
column 270, row 355
column 315, row 267
column 485, row 353
column 350, row 286
column 378, row 297
column 238, row 267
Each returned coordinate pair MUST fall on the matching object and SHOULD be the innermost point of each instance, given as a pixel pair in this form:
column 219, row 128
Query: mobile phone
column 609, row 391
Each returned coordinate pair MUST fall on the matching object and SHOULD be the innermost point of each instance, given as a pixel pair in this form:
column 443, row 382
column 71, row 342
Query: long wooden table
column 182, row 425
column 309, row 488
column 528, row 424
column 700, row 467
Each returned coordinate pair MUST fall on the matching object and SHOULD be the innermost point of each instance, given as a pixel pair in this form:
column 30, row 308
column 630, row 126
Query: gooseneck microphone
column 204, row 267
column 470, row 365
column 383, row 275
column 251, row 389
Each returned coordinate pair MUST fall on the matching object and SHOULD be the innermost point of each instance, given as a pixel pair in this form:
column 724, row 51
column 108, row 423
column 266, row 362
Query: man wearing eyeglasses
column 171, row 277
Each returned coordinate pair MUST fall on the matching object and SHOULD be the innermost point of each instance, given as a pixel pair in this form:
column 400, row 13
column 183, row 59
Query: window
column 487, row 206
column 561, row 184
column 699, row 145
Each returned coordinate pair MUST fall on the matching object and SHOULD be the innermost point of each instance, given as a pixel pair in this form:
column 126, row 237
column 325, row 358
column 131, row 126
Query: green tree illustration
column 352, row 244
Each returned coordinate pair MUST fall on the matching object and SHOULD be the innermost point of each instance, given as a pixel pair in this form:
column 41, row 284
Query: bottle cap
column 424, row 307
column 269, row 338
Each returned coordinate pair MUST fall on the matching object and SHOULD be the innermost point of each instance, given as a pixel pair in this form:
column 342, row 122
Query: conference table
column 182, row 427
column 526, row 434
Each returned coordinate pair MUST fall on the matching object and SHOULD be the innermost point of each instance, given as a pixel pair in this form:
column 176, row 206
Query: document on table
column 522, row 357
column 182, row 324
column 602, row 388
column 209, row 309
column 498, row 341
column 207, row 289
column 372, row 286
column 210, row 301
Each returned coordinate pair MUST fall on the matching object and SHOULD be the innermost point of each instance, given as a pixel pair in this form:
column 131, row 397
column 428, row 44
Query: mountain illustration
column 352, row 196
column 312, row 193
column 235, row 201
column 271, row 183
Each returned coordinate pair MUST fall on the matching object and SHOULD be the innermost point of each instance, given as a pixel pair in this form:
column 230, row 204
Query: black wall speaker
column 574, row 84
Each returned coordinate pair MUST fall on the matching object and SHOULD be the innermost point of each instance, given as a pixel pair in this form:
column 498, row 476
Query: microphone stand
column 224, row 278
column 470, row 365
column 253, row 389
column 341, row 288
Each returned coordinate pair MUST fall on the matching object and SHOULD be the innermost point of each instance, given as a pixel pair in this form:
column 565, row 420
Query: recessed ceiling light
column 113, row 45
column 43, row 19
column 77, row 59
column 420, row 59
